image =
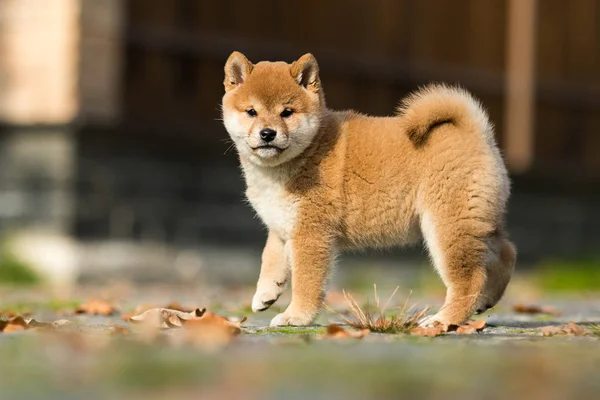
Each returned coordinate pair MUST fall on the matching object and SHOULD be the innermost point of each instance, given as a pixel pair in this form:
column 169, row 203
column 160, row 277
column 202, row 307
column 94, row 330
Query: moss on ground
column 582, row 275
column 291, row 330
column 15, row 271
column 594, row 330
column 24, row 307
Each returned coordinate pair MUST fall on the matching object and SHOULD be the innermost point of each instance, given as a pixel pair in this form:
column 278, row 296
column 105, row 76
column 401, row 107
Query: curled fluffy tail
column 437, row 104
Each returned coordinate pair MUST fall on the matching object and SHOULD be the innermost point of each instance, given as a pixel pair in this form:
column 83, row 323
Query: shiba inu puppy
column 323, row 181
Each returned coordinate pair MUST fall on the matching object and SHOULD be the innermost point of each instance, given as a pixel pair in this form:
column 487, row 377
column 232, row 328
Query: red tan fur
column 330, row 181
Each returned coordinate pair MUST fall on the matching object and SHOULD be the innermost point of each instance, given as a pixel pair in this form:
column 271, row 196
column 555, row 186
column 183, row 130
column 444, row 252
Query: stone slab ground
column 509, row 359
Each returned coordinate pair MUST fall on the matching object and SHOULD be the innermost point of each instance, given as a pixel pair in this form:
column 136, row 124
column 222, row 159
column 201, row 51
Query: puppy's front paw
column 285, row 319
column 266, row 296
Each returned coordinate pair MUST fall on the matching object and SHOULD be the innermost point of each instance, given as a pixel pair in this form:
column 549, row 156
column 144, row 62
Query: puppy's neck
column 260, row 175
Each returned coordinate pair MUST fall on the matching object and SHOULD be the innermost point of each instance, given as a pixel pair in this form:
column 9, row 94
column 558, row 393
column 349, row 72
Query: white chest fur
column 267, row 194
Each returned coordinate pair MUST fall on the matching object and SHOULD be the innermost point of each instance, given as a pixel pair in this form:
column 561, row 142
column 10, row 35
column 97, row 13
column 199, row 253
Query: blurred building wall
column 127, row 93
column 59, row 71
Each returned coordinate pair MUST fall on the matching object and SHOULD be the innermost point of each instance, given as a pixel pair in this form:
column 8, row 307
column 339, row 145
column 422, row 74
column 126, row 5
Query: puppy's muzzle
column 268, row 135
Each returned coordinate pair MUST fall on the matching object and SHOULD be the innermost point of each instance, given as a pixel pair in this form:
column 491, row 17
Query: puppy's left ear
column 237, row 69
column 306, row 72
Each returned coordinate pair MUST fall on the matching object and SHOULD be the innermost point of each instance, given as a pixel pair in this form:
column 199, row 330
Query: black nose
column 268, row 134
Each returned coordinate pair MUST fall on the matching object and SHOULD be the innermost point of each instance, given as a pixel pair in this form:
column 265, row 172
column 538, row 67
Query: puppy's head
column 272, row 110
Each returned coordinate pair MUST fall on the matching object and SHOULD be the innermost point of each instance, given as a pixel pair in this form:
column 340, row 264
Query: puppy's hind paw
column 432, row 321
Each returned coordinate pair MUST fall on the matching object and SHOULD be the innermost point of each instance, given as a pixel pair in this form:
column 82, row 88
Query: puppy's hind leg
column 500, row 264
column 458, row 254
column 274, row 274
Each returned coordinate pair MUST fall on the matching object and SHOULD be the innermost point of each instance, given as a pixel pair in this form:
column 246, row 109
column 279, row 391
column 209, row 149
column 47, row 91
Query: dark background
column 161, row 168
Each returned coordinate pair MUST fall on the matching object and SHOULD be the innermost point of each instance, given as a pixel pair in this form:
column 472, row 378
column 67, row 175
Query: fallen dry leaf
column 439, row 329
column 471, row 327
column 465, row 330
column 211, row 330
column 13, row 325
column 165, row 318
column 551, row 330
column 13, row 328
column 534, row 309
column 32, row 323
column 570, row 329
column 338, row 332
column 119, row 330
column 96, row 307
column 145, row 307
column 207, row 318
column 19, row 323
column 429, row 332
column 199, row 327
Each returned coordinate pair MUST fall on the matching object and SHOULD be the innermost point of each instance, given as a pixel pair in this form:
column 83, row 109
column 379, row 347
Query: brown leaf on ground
column 439, row 329
column 119, row 330
column 471, row 327
column 165, row 318
column 535, row 309
column 433, row 331
column 465, row 330
column 577, row 330
column 551, row 330
column 211, row 330
column 18, row 321
column 19, row 324
column 96, row 307
column 32, row 323
column 570, row 329
column 13, row 325
column 207, row 318
column 13, row 328
column 145, row 307
column 338, row 332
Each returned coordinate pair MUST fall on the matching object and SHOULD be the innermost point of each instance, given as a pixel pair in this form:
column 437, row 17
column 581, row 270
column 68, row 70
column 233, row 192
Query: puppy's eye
column 286, row 113
column 251, row 112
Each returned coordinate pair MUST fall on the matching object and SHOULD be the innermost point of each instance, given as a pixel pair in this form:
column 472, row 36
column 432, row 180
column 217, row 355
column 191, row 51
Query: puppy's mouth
column 268, row 146
column 268, row 150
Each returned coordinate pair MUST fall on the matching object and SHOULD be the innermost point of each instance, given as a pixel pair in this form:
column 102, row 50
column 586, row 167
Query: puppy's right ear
column 237, row 69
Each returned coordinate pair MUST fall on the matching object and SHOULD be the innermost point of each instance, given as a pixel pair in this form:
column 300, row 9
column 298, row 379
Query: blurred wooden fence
column 371, row 54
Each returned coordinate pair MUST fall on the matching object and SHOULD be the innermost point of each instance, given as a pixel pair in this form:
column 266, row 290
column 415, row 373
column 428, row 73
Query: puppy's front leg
column 274, row 274
column 310, row 255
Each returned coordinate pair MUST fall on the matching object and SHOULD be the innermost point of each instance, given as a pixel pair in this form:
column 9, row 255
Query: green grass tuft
column 375, row 318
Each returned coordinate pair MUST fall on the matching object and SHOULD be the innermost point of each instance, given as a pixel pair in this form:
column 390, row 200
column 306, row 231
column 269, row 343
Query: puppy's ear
column 306, row 72
column 237, row 69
